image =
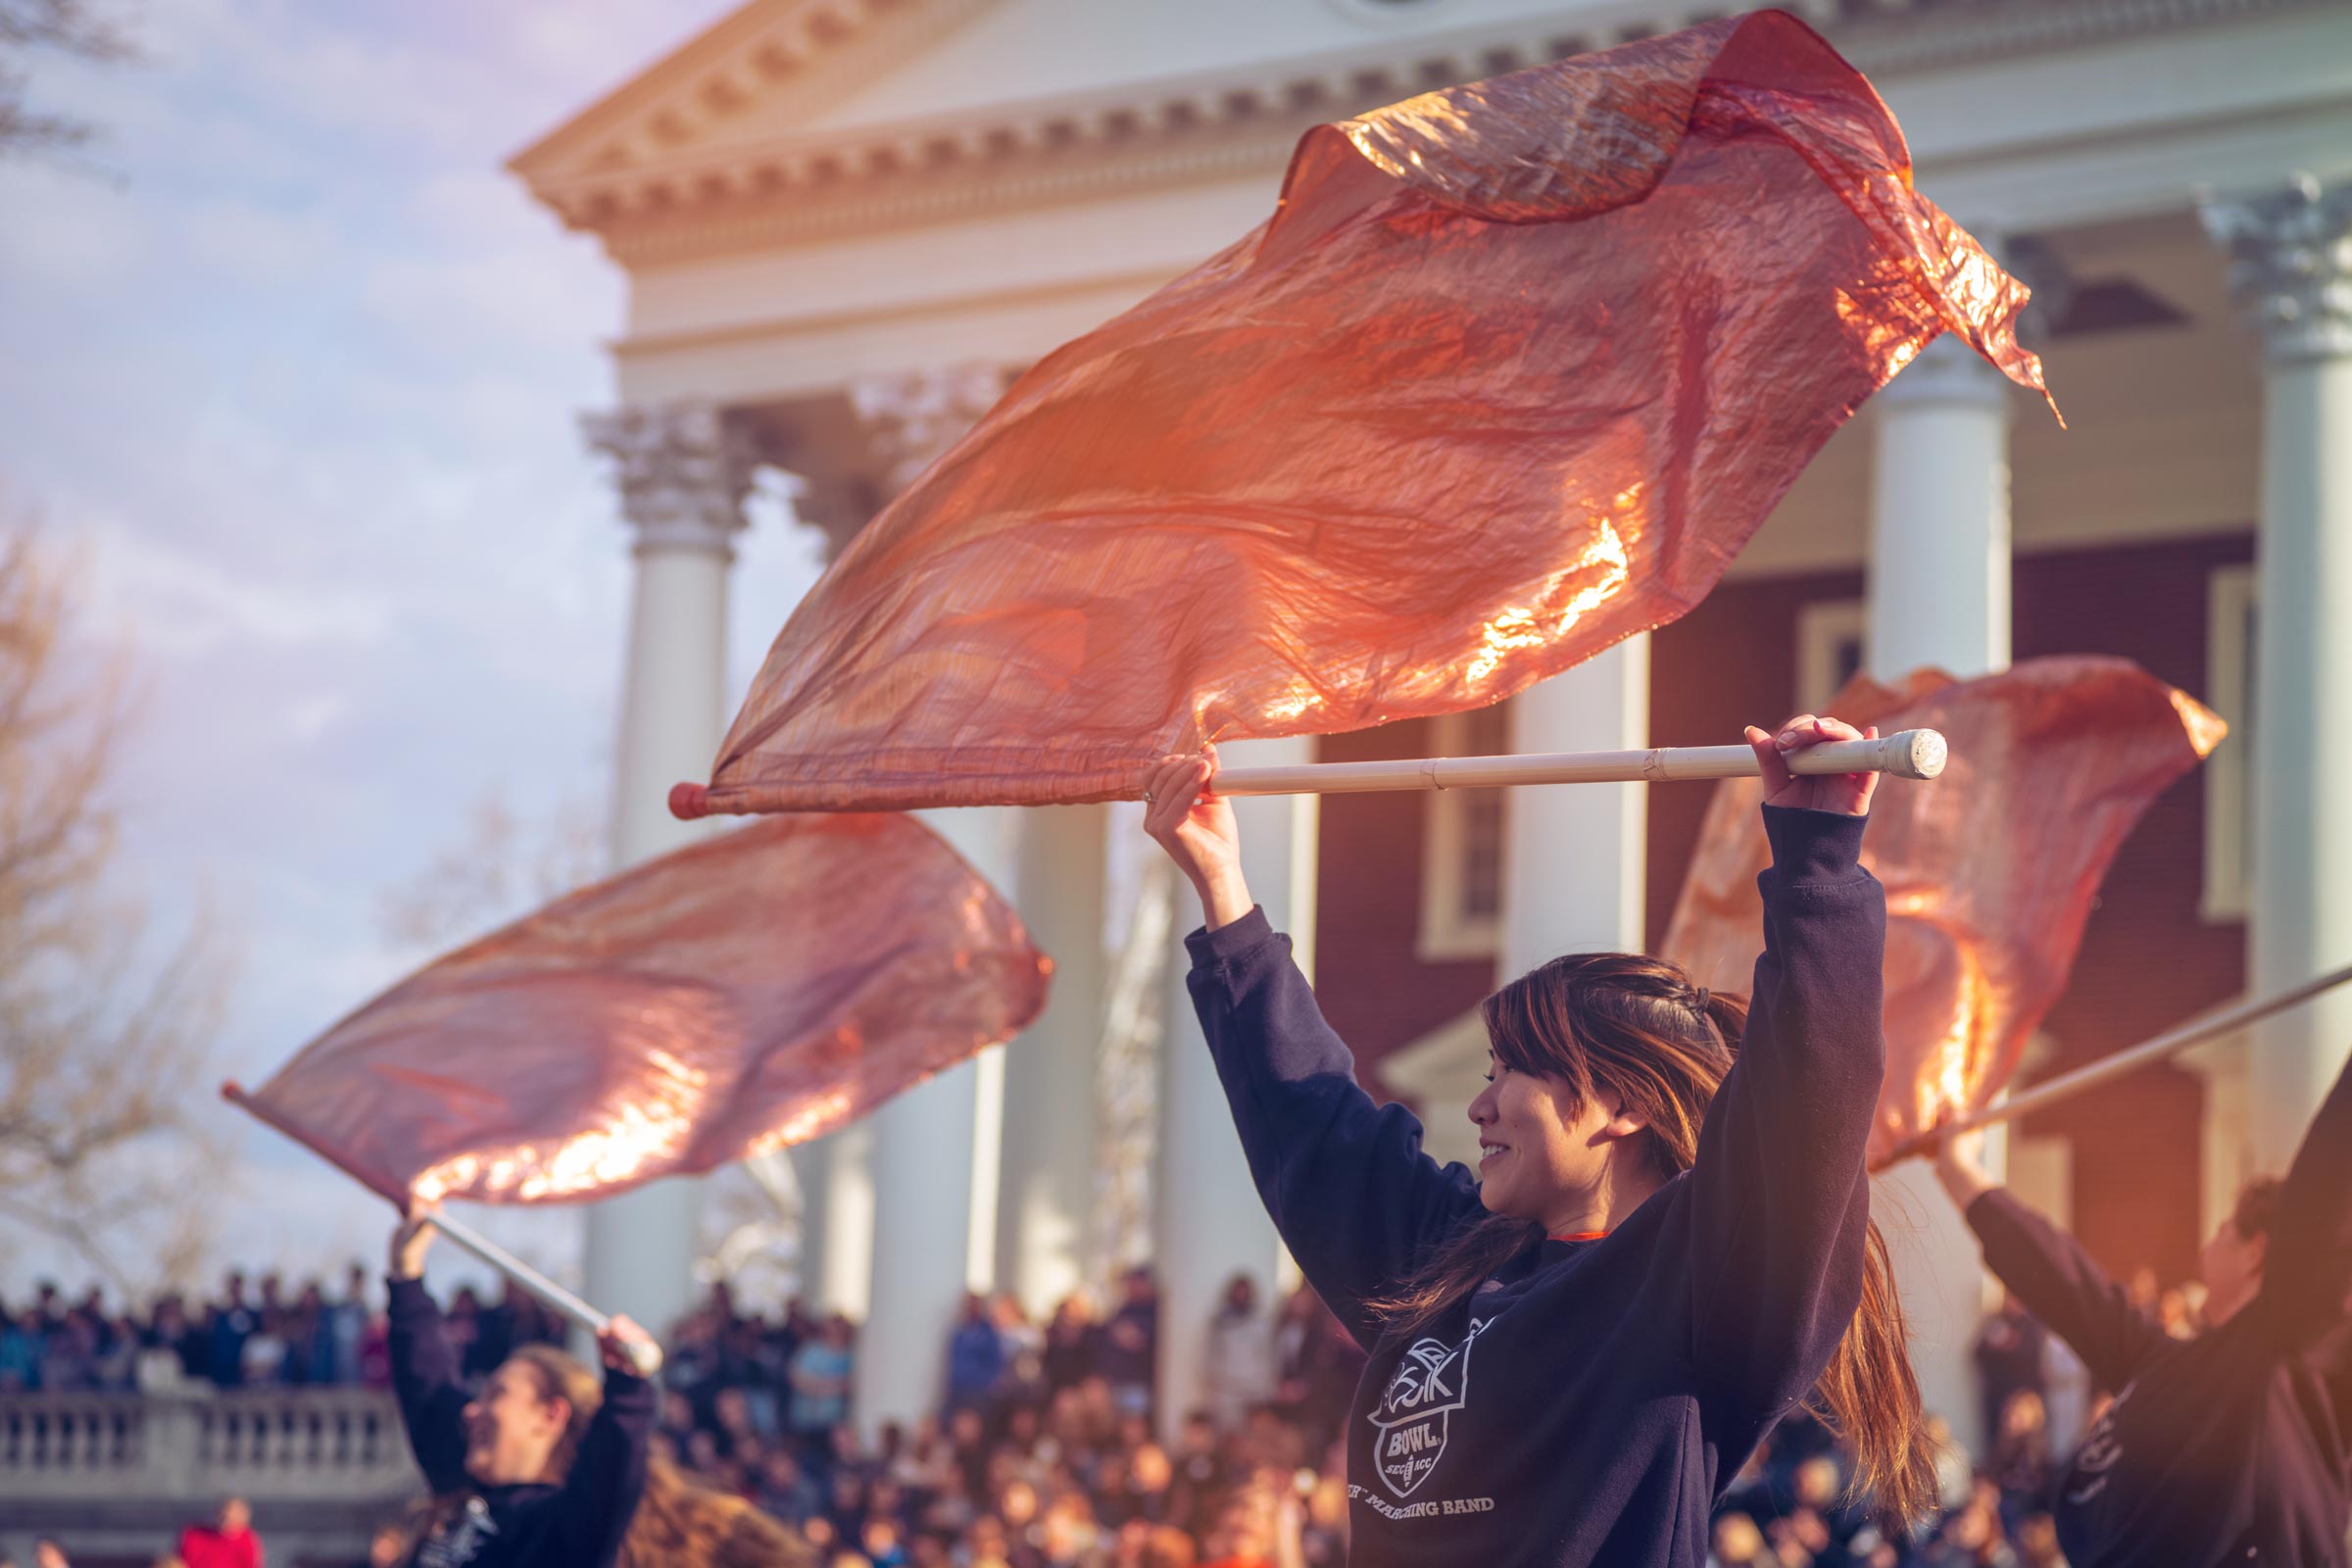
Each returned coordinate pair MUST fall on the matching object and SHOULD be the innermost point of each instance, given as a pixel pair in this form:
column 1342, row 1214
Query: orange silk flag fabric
column 750, row 991
column 1512, row 372
column 1989, row 870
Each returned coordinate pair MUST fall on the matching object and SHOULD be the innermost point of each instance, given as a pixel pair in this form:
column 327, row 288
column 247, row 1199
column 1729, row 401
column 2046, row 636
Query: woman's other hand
column 410, row 1242
column 626, row 1348
column 1198, row 830
column 1847, row 794
column 1960, row 1166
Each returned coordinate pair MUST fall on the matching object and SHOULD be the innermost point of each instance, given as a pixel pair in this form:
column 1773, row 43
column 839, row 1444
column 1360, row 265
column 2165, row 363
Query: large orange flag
column 743, row 993
column 1989, row 870
column 1511, row 375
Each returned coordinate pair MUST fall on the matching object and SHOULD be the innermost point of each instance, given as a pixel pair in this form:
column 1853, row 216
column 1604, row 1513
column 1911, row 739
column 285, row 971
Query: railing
column 197, row 1445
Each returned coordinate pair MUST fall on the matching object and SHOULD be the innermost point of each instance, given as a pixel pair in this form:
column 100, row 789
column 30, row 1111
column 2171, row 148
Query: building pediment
column 731, row 141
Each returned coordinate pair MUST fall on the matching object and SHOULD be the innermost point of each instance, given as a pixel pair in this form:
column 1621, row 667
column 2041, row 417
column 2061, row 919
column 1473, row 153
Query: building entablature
column 725, row 146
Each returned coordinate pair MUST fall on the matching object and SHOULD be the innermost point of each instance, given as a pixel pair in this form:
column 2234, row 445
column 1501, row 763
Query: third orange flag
column 1989, row 870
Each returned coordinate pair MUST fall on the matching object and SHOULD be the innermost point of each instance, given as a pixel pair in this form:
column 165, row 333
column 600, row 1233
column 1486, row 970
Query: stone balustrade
column 120, row 1473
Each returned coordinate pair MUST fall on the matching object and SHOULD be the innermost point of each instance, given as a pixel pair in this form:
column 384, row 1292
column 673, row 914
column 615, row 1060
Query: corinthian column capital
column 682, row 469
column 911, row 419
column 2290, row 265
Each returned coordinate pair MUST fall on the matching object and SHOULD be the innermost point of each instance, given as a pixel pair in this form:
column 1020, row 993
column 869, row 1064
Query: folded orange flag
column 1989, row 870
column 745, row 992
column 1511, row 375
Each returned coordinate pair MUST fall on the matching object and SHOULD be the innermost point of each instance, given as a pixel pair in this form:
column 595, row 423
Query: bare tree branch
column 75, row 29
column 504, row 867
column 102, row 1044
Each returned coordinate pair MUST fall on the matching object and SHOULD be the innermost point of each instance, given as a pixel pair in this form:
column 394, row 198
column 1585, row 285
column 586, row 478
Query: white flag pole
column 2195, row 1032
column 1907, row 754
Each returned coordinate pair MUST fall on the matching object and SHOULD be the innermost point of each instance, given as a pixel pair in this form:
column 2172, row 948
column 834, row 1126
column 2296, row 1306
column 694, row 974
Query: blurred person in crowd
column 819, row 1379
column 1319, row 1366
column 1129, row 1354
column 2228, row 1447
column 1199, row 1489
column 1023, row 1380
column 975, row 1355
column 1238, row 1370
column 1737, row 1543
column 2008, row 1357
column 1650, row 1319
column 1072, row 1343
column 2020, row 1461
column 1973, row 1537
column 227, row 1541
column 387, row 1548
column 2038, row 1543
column 231, row 1323
column 1144, row 1546
column 48, row 1552
column 21, row 1347
column 344, row 1324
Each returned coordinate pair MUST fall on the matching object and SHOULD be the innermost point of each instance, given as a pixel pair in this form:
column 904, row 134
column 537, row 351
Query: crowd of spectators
column 1043, row 1451
column 1044, row 1448
column 256, row 1337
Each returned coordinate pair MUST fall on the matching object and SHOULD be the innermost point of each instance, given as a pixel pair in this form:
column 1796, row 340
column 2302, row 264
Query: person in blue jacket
column 1666, row 1249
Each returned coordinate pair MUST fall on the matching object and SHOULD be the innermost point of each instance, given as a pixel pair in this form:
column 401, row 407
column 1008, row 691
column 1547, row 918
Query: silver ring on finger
column 1146, row 797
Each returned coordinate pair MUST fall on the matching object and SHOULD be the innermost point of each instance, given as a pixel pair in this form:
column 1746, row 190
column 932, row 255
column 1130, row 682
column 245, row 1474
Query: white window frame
column 1821, row 627
column 1446, row 933
column 2229, row 692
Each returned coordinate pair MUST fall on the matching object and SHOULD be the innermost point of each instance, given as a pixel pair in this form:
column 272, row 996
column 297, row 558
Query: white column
column 934, row 1174
column 1210, row 1223
column 2292, row 271
column 1572, row 880
column 682, row 477
column 1938, row 583
column 1050, row 1105
column 1939, row 516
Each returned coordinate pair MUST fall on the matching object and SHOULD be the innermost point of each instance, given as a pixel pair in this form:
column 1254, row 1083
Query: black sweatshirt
column 2231, row 1447
column 1587, row 1403
column 575, row 1525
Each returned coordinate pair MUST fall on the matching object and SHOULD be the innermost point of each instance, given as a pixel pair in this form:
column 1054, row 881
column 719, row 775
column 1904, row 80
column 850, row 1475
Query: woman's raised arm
column 1779, row 1205
column 424, row 1364
column 1345, row 1182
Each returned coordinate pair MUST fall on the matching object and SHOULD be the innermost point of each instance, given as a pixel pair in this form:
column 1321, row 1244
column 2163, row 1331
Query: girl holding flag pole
column 2232, row 1447
column 544, row 1468
column 1667, row 1247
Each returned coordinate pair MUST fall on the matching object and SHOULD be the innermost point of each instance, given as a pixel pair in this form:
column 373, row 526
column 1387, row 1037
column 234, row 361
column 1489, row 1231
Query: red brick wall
column 2148, row 958
column 1374, row 989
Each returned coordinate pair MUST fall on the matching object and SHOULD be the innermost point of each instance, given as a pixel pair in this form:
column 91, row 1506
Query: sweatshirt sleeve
column 606, row 1479
column 1345, row 1182
column 424, row 1379
column 2307, row 1263
column 2047, row 1269
column 1780, row 1203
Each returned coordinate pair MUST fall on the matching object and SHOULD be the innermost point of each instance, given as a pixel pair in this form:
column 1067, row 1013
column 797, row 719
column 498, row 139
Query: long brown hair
column 1639, row 1031
column 678, row 1523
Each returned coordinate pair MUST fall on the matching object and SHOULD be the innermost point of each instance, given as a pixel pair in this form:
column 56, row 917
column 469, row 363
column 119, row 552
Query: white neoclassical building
column 845, row 223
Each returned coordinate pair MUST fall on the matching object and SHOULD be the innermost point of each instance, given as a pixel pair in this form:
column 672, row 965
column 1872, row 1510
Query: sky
column 291, row 369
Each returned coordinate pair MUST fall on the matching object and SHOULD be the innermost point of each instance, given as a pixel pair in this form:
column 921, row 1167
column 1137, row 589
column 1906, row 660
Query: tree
column 504, row 869
column 72, row 28
column 103, row 1045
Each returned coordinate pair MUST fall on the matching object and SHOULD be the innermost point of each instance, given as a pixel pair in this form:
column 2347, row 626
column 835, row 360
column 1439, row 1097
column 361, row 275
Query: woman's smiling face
column 1539, row 1152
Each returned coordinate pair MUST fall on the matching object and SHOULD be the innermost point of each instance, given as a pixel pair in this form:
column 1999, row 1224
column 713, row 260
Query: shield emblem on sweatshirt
column 1416, row 1409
